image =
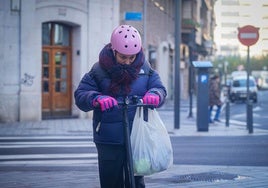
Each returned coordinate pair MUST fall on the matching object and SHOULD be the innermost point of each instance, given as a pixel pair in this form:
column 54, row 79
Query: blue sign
column 134, row 16
column 204, row 78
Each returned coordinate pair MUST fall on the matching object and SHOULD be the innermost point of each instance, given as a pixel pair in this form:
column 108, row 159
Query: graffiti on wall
column 27, row 80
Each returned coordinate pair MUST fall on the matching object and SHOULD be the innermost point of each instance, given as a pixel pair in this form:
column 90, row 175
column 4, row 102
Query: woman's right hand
column 105, row 102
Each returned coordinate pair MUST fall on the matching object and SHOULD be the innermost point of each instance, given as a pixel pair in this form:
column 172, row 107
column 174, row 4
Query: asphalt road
column 64, row 162
column 260, row 116
column 233, row 151
column 193, row 150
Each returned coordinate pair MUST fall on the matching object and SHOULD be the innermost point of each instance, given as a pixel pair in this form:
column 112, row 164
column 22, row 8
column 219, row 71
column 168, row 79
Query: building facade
column 232, row 14
column 48, row 45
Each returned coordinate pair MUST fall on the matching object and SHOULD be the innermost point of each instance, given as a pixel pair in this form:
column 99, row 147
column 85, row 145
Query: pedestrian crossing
column 47, row 150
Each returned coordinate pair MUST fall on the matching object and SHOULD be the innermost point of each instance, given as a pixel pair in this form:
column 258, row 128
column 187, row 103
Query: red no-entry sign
column 248, row 35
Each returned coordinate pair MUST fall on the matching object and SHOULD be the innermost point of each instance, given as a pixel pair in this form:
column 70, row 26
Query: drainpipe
column 145, row 27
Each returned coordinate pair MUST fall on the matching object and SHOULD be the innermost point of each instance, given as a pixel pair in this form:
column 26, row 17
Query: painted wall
column 9, row 66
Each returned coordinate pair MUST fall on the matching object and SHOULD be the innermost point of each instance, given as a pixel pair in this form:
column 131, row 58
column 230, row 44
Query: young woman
column 121, row 71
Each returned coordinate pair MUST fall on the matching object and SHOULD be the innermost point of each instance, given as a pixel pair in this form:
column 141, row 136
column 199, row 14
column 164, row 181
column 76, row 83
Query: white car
column 238, row 89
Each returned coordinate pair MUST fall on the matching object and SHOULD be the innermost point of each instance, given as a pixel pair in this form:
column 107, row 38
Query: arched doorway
column 56, row 70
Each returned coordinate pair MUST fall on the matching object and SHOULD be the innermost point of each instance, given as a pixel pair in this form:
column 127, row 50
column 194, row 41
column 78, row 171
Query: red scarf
column 121, row 75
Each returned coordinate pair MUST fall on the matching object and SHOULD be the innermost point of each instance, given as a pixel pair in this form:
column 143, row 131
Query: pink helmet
column 126, row 40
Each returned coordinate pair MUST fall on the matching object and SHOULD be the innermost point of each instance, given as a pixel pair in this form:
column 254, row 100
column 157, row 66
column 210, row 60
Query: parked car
column 238, row 89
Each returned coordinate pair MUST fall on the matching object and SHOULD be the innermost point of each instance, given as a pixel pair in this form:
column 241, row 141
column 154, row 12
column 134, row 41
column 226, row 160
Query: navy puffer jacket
column 108, row 126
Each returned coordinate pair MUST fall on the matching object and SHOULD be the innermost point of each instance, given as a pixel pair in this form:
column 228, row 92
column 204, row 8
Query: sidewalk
column 74, row 127
column 178, row 175
column 188, row 126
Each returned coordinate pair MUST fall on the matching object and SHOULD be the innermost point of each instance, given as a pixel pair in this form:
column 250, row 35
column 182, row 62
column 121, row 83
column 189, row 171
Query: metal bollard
column 227, row 113
column 227, row 108
column 249, row 117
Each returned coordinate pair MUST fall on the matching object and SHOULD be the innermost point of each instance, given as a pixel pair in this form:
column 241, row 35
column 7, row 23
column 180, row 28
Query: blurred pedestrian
column 214, row 98
column 121, row 71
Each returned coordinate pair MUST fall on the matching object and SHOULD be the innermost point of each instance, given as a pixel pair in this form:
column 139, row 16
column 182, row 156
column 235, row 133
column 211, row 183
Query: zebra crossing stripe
column 69, row 162
column 46, row 137
column 48, row 156
column 46, row 144
column 46, row 159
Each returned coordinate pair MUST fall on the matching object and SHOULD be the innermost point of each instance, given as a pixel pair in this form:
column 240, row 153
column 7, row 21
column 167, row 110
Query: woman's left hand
column 151, row 98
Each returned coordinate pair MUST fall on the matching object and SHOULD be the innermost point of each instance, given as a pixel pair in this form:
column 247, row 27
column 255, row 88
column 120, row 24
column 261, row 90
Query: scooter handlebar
column 135, row 101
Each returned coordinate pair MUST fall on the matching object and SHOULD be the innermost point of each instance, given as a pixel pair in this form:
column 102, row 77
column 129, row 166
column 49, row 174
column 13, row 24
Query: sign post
column 248, row 36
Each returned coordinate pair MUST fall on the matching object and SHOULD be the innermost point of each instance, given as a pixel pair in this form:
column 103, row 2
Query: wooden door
column 56, row 82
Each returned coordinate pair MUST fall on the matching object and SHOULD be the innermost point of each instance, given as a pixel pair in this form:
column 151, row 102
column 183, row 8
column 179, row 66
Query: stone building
column 48, row 45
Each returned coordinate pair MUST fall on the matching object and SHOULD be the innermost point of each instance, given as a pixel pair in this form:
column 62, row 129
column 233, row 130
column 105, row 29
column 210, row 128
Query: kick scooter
column 126, row 103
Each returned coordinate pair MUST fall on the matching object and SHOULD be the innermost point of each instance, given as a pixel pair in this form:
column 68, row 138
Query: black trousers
column 113, row 171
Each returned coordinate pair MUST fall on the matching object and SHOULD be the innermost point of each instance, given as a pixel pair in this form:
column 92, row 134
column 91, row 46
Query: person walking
column 121, row 72
column 214, row 98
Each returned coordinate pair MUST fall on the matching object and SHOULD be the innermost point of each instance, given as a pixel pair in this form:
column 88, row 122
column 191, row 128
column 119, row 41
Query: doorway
column 56, row 70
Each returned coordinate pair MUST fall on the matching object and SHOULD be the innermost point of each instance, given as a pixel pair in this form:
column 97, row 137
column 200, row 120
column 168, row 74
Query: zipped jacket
column 108, row 125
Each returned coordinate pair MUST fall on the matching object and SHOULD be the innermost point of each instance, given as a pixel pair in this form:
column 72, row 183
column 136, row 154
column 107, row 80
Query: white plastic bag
column 150, row 142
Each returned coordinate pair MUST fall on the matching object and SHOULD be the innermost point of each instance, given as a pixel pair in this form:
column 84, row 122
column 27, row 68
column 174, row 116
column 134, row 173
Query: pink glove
column 105, row 102
column 151, row 99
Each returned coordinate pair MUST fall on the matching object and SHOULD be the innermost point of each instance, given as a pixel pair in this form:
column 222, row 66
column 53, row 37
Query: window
column 55, row 34
column 243, row 83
